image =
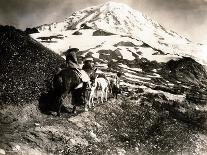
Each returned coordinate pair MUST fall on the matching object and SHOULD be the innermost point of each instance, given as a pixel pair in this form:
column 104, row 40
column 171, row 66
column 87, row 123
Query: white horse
column 99, row 90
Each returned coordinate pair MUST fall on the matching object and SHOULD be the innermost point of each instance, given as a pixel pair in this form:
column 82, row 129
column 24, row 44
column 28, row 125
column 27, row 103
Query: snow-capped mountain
column 122, row 20
column 163, row 94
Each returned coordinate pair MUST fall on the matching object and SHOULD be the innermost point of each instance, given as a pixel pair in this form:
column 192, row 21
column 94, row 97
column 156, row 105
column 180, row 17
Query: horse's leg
column 61, row 99
column 84, row 93
column 74, row 105
column 89, row 102
column 86, row 102
column 112, row 90
column 116, row 94
column 59, row 106
column 97, row 97
column 102, row 95
column 74, row 109
column 106, row 94
column 85, row 107
column 92, row 101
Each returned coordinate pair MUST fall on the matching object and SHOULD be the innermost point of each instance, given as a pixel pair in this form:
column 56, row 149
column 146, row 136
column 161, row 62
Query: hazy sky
column 187, row 17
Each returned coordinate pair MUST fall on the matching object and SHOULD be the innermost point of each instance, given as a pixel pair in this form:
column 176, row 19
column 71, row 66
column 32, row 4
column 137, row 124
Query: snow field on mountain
column 169, row 96
column 134, row 77
column 120, row 19
column 96, row 43
column 122, row 83
column 131, row 69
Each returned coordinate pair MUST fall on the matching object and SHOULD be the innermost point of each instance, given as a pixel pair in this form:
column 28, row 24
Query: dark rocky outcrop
column 31, row 30
column 50, row 38
column 110, row 54
column 26, row 66
column 85, row 26
column 77, row 33
column 102, row 33
column 123, row 43
column 185, row 70
column 147, row 65
column 197, row 95
column 145, row 45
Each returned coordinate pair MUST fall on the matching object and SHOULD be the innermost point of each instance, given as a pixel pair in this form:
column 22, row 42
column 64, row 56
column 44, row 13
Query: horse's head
column 93, row 75
column 112, row 80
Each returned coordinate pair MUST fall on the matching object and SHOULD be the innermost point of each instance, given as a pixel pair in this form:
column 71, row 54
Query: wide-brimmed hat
column 88, row 59
column 70, row 50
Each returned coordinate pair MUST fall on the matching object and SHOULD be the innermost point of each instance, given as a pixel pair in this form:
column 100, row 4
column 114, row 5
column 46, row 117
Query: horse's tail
column 57, row 82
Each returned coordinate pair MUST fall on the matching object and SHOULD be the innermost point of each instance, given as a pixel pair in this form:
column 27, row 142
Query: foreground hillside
column 145, row 123
column 26, row 67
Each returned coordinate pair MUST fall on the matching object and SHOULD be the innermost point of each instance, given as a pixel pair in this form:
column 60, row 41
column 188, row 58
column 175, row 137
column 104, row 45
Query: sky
column 186, row 17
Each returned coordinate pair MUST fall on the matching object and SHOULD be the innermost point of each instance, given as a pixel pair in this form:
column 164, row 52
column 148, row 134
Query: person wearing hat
column 72, row 62
column 71, row 58
column 88, row 65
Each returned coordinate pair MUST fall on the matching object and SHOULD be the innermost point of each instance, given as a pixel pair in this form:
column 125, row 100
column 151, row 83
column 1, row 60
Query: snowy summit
column 122, row 20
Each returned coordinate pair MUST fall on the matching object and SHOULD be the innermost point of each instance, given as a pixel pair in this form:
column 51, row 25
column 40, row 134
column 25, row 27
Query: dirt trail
column 36, row 134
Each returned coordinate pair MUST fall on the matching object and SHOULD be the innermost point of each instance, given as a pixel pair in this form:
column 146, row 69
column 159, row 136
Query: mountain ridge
column 120, row 19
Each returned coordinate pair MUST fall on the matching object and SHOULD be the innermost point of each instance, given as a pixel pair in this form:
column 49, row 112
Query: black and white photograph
column 100, row 77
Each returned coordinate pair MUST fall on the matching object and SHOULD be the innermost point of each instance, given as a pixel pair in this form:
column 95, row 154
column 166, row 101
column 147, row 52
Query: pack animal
column 65, row 81
column 115, row 86
column 101, row 85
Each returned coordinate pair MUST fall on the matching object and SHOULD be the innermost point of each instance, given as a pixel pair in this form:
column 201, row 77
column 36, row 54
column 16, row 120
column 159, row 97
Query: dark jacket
column 87, row 67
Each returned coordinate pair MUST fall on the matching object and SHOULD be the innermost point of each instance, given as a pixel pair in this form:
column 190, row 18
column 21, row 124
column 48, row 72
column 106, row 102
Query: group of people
column 72, row 61
column 88, row 67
